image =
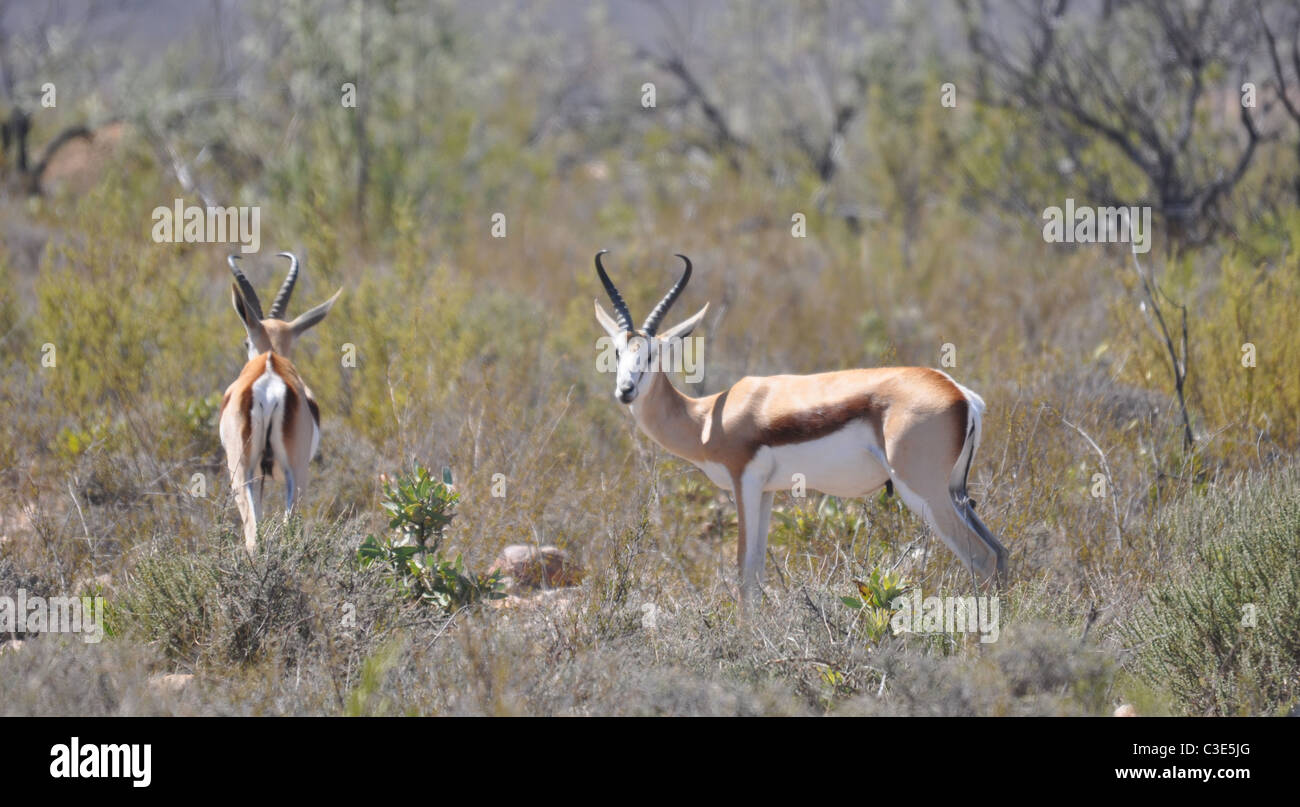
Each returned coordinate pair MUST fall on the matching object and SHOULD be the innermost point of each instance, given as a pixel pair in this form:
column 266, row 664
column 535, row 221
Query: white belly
column 846, row 463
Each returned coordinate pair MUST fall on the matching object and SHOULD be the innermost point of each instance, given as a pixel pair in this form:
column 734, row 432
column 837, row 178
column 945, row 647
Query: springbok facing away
column 849, row 433
column 264, row 427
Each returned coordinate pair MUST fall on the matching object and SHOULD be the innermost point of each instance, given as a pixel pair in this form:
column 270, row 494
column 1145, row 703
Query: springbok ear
column 606, row 321
column 683, row 329
column 307, row 319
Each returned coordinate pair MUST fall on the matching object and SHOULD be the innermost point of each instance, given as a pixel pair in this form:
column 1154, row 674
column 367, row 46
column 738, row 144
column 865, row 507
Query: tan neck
column 673, row 419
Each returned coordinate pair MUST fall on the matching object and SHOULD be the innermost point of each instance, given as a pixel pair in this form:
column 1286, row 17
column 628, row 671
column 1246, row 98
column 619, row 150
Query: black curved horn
column 656, row 316
column 620, row 307
column 280, row 305
column 245, row 288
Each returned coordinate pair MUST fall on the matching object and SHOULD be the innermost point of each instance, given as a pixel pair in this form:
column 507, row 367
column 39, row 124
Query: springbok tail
column 259, row 423
column 974, row 424
column 267, row 402
column 961, row 500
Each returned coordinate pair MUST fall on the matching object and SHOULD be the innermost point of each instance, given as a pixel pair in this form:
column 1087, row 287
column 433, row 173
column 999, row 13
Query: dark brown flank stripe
column 800, row 427
column 246, row 407
column 315, row 410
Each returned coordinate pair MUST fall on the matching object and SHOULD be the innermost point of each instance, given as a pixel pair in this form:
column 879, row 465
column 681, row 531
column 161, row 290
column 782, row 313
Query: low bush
column 1222, row 635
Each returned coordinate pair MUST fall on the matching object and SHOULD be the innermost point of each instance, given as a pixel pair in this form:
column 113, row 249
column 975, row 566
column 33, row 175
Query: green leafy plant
column 877, row 594
column 835, row 686
column 421, row 508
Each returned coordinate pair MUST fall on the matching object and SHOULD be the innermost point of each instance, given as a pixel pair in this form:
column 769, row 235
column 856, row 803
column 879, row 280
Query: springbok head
column 272, row 332
column 638, row 351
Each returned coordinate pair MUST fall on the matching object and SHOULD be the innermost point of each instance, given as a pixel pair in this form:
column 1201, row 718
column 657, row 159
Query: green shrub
column 421, row 508
column 216, row 605
column 170, row 601
column 1223, row 635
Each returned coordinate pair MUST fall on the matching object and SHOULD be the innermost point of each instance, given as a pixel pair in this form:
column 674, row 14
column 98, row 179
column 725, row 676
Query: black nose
column 625, row 393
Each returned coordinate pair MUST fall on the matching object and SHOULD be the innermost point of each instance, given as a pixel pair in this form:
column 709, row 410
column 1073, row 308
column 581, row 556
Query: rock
column 1126, row 710
column 171, row 682
column 532, row 567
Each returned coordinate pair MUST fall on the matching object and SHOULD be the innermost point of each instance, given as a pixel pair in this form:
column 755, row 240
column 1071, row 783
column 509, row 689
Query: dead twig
column 1178, row 363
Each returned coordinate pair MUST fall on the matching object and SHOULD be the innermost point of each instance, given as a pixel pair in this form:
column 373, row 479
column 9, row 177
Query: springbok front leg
column 753, row 509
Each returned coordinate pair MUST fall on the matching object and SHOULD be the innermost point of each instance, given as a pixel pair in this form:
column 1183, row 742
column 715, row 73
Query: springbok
column 848, row 433
column 264, row 427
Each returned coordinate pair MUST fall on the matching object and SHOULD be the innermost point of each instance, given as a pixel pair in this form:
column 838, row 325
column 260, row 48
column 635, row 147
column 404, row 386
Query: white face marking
column 636, row 359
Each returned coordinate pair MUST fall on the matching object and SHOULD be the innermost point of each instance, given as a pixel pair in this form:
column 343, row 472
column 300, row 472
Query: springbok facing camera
column 848, row 433
column 263, row 426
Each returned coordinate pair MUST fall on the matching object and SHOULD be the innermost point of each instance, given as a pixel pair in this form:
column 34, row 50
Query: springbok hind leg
column 966, row 509
column 295, row 484
column 924, row 488
column 242, row 500
column 924, row 459
column 956, row 529
column 249, row 497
